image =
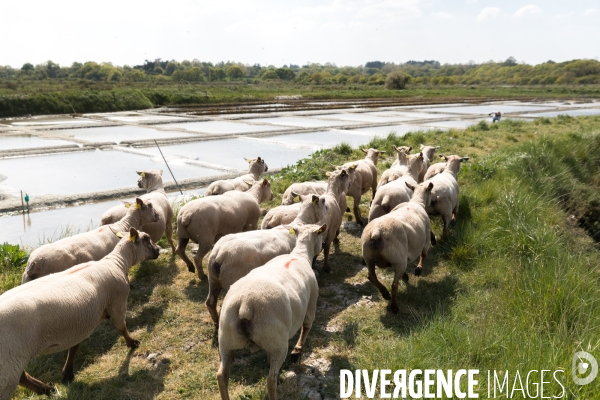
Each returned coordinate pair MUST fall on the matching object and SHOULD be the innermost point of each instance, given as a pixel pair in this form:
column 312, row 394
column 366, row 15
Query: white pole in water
column 22, row 203
column 161, row 153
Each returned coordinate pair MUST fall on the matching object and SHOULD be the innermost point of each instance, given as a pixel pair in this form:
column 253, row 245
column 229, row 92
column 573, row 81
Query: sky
column 282, row 32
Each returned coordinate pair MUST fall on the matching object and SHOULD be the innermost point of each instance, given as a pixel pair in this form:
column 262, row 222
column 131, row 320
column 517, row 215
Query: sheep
column 241, row 183
column 89, row 246
column 401, row 153
column 59, row 311
column 434, row 169
column 300, row 212
column 206, row 220
column 396, row 171
column 396, row 192
column 428, row 152
column 285, row 214
column 398, row 238
column 445, row 196
column 266, row 308
column 365, row 179
column 302, row 188
column 235, row 255
column 151, row 180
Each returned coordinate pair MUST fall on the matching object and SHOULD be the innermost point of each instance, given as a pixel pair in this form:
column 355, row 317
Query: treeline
column 429, row 72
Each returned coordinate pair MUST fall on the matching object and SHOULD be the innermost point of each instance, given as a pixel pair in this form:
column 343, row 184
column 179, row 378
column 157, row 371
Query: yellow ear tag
column 119, row 234
column 127, row 205
column 292, row 231
column 143, row 174
column 137, row 206
column 132, row 239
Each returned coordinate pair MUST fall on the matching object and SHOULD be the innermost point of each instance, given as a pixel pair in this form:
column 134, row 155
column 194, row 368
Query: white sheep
column 398, row 238
column 445, row 195
column 396, row 171
column 207, row 219
column 59, row 311
column 434, row 169
column 401, row 155
column 396, row 192
column 268, row 306
column 428, row 152
column 365, row 179
column 257, row 167
column 283, row 215
column 151, row 180
column 89, row 246
column 302, row 188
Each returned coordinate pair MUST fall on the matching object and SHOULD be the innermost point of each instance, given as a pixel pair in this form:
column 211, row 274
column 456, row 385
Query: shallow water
column 85, row 171
column 416, row 115
column 231, row 152
column 572, row 113
column 365, row 117
column 220, row 127
column 9, row 142
column 117, row 134
column 487, row 109
column 302, row 122
column 455, row 124
column 52, row 121
column 399, row 130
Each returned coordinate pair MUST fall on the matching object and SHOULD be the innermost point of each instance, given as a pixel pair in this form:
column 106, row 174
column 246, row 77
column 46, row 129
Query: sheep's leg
column 454, row 212
column 356, row 210
column 326, row 248
column 276, row 360
column 214, row 288
column 446, row 221
column 67, row 371
column 223, row 374
column 117, row 312
column 373, row 278
column 419, row 268
column 399, row 270
column 39, row 387
column 299, row 348
column 336, row 239
column 169, row 234
column 202, row 250
column 181, row 245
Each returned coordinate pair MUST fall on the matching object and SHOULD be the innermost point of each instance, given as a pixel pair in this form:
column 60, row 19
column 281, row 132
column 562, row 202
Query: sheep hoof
column 68, row 377
column 327, row 269
column 433, row 240
column 405, row 277
column 295, row 356
column 191, row 268
column 453, row 222
column 336, row 240
column 134, row 344
column 394, row 308
column 47, row 390
column 386, row 295
column 347, row 209
column 418, row 271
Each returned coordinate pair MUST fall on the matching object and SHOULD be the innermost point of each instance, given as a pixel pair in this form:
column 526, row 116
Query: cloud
column 589, row 12
column 567, row 15
column 529, row 9
column 471, row 1
column 488, row 12
column 442, row 15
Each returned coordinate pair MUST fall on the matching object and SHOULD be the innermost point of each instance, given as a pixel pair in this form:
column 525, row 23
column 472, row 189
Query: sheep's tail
column 376, row 240
column 245, row 315
column 215, row 267
column 385, row 204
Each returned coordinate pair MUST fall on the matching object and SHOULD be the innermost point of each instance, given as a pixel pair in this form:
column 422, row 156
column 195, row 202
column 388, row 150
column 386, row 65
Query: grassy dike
column 515, row 288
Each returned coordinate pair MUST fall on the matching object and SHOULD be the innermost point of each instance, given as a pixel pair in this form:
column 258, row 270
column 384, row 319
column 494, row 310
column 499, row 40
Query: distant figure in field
column 495, row 116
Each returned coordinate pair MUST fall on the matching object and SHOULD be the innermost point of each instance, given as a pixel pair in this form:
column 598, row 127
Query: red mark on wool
column 78, row 269
column 100, row 230
column 408, row 208
column 287, row 264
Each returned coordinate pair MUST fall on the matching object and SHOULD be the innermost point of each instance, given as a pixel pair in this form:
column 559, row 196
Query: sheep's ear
column 446, row 157
column 127, row 204
column 344, row 172
column 437, row 147
column 396, row 149
column 249, row 182
column 294, row 195
column 353, row 167
column 315, row 198
column 327, row 173
column 442, row 156
column 160, row 172
column 133, row 235
column 247, row 160
column 421, row 145
column 265, row 182
column 429, row 187
column 119, row 234
column 411, row 187
column 291, row 230
column 409, row 149
column 380, row 152
column 364, row 151
column 321, row 229
column 259, row 159
column 138, row 203
column 141, row 173
column 420, row 155
column 465, row 159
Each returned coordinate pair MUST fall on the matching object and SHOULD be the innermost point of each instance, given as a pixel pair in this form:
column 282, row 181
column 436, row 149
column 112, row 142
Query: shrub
column 270, row 75
column 396, row 80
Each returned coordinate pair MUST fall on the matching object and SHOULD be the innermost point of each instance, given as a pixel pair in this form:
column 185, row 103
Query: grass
column 516, row 286
column 56, row 96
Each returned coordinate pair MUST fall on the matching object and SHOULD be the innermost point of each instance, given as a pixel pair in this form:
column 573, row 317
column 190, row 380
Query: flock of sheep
column 71, row 285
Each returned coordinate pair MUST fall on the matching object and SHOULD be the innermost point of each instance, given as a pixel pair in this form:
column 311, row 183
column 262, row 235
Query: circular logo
column 584, row 363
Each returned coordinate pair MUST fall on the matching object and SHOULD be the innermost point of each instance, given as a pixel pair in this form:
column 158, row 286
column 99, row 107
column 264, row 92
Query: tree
column 171, row 67
column 510, row 62
column 26, row 68
column 286, row 74
column 217, row 74
column 396, row 80
column 235, row 72
column 269, row 75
